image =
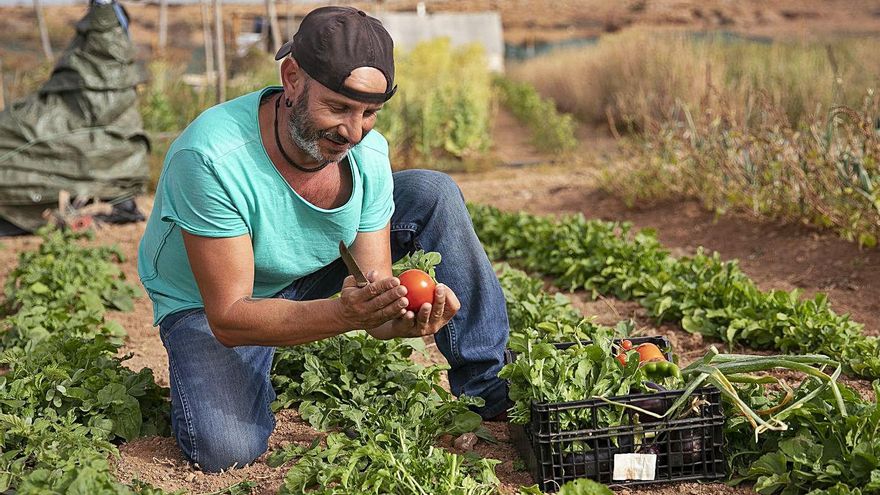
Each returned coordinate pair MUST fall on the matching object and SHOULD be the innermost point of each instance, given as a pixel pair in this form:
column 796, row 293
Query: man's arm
column 224, row 271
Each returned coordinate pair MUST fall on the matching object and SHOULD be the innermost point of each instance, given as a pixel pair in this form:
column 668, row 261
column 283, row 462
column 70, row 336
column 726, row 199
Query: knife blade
column 352, row 266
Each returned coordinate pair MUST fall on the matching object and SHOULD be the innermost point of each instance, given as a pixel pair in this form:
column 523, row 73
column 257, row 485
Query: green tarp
column 81, row 132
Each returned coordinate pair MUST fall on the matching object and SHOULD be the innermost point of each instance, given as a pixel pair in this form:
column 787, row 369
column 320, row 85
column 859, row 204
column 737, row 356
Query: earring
column 287, row 102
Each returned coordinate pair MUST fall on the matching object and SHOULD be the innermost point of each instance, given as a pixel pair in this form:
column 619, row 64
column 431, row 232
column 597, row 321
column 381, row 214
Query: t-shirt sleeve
column 378, row 190
column 195, row 199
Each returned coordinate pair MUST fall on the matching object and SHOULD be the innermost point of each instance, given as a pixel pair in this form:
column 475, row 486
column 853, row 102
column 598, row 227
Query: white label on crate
column 634, row 466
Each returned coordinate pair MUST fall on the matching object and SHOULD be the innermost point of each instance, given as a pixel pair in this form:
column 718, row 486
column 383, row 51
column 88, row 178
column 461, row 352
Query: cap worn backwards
column 333, row 41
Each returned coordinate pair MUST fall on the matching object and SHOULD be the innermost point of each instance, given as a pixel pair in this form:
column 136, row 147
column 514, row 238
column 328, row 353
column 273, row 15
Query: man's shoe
column 500, row 417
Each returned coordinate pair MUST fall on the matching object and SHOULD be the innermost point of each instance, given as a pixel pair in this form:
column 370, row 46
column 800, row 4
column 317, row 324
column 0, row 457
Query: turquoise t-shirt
column 218, row 181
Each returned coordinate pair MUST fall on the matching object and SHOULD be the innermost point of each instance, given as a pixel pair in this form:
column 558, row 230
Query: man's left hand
column 429, row 319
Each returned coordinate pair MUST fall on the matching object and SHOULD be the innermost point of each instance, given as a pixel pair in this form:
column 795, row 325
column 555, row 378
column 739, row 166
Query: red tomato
column 419, row 288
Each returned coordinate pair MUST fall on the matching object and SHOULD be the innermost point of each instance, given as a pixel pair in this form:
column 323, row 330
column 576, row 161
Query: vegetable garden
column 783, row 421
column 709, row 376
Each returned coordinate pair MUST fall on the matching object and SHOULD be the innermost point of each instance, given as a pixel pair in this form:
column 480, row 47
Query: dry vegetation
column 783, row 129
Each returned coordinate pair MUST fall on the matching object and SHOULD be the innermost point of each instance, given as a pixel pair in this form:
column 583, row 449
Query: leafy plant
column 62, row 270
column 444, row 114
column 64, row 394
column 823, row 451
column 65, row 376
column 544, row 373
column 387, row 464
column 702, row 292
column 551, row 130
column 419, row 260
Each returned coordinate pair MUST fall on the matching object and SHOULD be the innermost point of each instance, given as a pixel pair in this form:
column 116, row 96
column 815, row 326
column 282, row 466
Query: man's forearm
column 277, row 322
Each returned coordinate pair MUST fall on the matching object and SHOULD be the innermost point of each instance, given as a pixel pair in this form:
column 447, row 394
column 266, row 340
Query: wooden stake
column 220, row 49
column 209, row 43
column 272, row 14
column 163, row 25
column 44, row 31
column 288, row 25
column 2, row 88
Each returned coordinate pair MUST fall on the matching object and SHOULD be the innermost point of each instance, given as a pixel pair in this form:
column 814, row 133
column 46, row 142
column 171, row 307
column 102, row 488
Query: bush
column 441, row 111
column 551, row 130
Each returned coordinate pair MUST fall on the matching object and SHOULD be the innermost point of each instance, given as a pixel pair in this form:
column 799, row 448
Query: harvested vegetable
column 419, row 288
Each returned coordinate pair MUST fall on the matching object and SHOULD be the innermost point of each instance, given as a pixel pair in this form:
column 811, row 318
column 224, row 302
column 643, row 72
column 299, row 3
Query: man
column 241, row 255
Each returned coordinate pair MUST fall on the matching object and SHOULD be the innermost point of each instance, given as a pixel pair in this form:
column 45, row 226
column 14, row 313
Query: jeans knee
column 229, row 449
column 428, row 188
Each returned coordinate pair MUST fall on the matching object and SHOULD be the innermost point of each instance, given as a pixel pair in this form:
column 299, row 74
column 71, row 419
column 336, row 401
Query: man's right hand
column 373, row 305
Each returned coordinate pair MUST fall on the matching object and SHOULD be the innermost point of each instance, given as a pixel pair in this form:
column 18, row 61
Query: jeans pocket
column 179, row 319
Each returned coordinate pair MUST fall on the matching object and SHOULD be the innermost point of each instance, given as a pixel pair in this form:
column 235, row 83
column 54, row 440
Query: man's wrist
column 337, row 313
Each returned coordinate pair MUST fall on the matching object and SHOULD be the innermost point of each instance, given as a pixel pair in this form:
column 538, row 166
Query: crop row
column 65, row 396
column 388, row 414
column 66, row 399
column 818, row 437
column 703, row 293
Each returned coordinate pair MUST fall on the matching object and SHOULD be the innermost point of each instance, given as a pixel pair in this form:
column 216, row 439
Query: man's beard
column 306, row 135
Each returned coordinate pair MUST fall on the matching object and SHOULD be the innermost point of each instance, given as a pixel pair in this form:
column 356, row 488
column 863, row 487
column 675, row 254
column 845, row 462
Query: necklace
column 281, row 148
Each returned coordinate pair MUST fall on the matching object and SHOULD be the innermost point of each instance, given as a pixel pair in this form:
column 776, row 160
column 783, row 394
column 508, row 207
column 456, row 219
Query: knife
column 352, row 265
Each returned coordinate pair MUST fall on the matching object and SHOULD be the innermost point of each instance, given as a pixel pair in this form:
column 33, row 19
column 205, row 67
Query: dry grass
column 784, row 130
column 640, row 76
column 824, row 171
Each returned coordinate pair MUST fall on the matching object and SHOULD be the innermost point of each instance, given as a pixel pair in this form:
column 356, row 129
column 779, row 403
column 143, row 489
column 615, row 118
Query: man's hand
column 429, row 319
column 373, row 305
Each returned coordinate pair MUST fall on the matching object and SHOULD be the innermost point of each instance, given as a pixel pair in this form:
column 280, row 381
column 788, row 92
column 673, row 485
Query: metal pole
column 221, row 52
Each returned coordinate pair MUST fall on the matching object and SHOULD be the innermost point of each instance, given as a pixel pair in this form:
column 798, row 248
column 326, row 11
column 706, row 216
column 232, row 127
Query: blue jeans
column 220, row 396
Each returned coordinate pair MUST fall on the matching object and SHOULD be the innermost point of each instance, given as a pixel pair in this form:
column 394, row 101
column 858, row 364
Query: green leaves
column 391, row 412
column 544, row 373
column 419, row 260
column 355, row 381
column 64, row 394
column 389, row 465
column 821, row 452
column 577, row 487
column 704, row 293
column 62, row 270
column 551, row 130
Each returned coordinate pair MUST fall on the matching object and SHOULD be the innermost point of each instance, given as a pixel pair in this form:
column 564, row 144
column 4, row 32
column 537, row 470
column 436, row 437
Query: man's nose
column 352, row 129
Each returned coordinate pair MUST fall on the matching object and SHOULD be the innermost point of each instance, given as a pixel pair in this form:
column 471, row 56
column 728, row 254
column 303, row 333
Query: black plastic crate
column 688, row 448
column 658, row 340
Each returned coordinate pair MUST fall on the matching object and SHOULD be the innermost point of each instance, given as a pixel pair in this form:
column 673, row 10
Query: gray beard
column 304, row 138
column 304, row 134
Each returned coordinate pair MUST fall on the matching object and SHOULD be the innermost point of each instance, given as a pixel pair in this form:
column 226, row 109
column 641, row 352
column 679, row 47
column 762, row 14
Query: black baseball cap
column 333, row 41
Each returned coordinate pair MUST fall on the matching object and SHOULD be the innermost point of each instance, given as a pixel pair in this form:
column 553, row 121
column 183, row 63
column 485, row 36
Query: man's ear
column 291, row 77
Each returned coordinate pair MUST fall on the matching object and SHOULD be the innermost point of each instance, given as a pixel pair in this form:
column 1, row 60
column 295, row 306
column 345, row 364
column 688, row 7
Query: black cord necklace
column 281, row 148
